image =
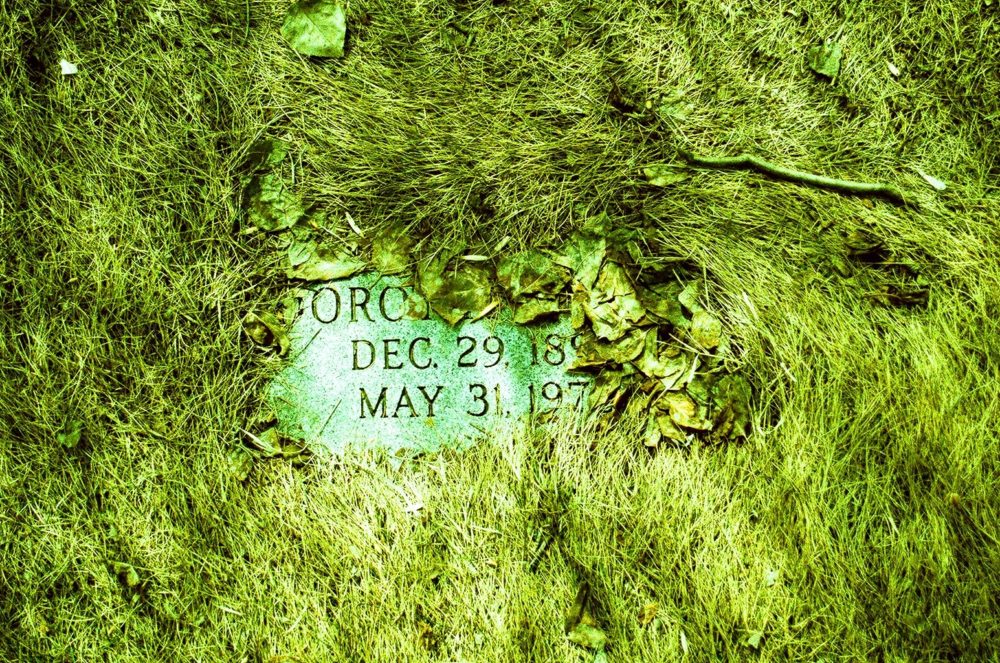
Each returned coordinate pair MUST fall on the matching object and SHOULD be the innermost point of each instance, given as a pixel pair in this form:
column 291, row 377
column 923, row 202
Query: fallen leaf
column 588, row 354
column 128, row 574
column 68, row 68
column 665, row 175
column 265, row 154
column 662, row 304
column 673, row 107
column 583, row 254
column 613, row 307
column 625, row 349
column 267, row 441
column 535, row 308
column 651, row 436
column 391, row 249
column 688, row 297
column 608, row 389
column 731, row 397
column 326, row 265
column 669, row 430
column 578, row 306
column 273, row 444
column 588, row 636
column 265, row 329
column 425, row 635
column 240, row 463
column 531, row 273
column 825, row 59
column 647, row 613
column 575, row 613
column 706, row 330
column 71, row 434
column 316, row 27
column 684, row 411
column 453, row 294
column 353, row 224
column 663, row 362
column 272, row 206
column 771, row 577
column 300, row 250
column 753, row 640
column 486, row 311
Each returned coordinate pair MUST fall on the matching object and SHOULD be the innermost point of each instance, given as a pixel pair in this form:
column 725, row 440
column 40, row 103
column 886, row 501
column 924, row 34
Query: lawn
column 860, row 517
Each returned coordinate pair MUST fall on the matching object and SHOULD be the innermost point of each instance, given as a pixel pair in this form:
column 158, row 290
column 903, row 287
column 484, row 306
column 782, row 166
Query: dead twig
column 750, row 161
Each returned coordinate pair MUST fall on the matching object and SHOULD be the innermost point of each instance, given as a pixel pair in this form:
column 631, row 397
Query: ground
column 859, row 519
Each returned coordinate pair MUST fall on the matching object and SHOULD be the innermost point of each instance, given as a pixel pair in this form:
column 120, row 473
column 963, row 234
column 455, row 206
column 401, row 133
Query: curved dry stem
column 756, row 163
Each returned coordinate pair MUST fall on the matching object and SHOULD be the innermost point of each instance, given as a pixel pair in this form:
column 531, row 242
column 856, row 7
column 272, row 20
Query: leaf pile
column 652, row 345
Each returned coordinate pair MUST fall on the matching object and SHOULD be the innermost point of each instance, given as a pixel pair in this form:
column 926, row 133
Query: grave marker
column 371, row 365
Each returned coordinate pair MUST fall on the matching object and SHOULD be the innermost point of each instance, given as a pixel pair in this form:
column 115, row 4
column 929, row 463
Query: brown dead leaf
column 647, row 613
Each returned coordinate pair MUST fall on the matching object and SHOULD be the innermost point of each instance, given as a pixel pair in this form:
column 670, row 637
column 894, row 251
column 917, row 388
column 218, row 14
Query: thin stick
column 749, row 161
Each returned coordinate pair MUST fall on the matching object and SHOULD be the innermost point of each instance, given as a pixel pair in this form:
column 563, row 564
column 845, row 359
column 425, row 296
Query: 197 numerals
column 552, row 395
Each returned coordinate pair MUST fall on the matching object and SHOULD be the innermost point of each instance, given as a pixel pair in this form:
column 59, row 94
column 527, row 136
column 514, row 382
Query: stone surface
column 371, row 366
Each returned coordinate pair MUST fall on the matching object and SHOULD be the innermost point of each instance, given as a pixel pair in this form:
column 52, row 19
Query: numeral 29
column 492, row 346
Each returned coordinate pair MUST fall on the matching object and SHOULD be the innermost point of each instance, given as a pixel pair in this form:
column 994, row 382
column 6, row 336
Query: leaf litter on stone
column 325, row 264
column 467, row 290
column 316, row 27
column 454, row 292
column 535, row 308
column 391, row 249
column 531, row 273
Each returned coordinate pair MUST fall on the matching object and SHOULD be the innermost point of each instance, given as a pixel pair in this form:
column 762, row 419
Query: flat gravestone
column 371, row 365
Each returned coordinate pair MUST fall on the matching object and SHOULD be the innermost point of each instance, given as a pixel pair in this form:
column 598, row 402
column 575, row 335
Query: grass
column 868, row 485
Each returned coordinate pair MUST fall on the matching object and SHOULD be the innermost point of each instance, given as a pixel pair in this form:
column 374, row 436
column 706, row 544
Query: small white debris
column 933, row 181
column 413, row 507
column 893, row 69
column 352, row 224
column 68, row 68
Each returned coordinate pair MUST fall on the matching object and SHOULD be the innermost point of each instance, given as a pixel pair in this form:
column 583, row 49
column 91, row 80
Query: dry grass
column 868, row 487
